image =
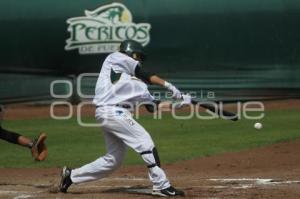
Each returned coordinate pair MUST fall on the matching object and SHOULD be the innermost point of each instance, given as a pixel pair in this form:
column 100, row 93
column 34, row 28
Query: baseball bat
column 217, row 110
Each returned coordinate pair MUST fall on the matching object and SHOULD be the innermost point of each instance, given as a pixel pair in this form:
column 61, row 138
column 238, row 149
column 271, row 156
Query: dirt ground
column 34, row 111
column 267, row 172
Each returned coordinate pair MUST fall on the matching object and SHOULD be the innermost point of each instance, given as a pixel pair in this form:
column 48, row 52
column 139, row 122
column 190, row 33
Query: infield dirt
column 268, row 172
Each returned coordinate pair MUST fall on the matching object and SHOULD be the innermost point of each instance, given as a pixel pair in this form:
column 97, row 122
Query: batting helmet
column 132, row 48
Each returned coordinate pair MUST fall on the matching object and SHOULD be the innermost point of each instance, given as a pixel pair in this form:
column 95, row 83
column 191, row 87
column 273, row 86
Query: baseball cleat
column 170, row 191
column 65, row 181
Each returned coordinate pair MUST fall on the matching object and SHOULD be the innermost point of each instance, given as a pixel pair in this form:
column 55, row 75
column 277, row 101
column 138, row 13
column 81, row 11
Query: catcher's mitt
column 39, row 150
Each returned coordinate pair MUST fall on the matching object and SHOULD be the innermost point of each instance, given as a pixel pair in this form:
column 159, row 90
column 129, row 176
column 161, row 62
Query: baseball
column 258, row 125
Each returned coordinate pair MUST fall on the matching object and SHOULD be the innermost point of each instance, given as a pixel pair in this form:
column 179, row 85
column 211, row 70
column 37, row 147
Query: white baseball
column 258, row 125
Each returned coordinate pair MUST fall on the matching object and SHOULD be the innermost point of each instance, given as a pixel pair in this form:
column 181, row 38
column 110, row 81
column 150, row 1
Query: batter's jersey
column 127, row 89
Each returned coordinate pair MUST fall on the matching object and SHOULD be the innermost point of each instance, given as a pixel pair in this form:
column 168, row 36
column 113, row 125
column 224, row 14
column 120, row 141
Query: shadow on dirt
column 141, row 190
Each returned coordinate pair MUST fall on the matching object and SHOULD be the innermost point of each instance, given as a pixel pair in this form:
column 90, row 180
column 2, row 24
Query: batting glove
column 176, row 94
column 186, row 99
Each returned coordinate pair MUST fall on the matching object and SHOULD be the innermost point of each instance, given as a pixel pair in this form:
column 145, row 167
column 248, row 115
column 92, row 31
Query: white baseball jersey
column 124, row 90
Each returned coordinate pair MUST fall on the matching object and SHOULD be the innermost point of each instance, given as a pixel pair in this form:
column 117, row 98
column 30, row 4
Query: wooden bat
column 217, row 110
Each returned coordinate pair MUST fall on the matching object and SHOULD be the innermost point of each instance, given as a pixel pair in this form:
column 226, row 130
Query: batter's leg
column 104, row 165
column 135, row 136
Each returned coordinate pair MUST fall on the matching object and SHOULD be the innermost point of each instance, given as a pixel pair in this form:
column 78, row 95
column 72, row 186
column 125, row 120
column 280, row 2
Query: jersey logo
column 125, row 117
column 103, row 29
column 119, row 112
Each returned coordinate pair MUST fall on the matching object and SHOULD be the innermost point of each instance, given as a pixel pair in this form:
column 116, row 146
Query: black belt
column 126, row 106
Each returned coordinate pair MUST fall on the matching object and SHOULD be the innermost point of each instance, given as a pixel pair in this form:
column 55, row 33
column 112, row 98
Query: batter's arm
column 152, row 78
column 176, row 94
column 148, row 77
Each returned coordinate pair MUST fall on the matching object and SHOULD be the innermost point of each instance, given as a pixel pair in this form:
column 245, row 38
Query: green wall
column 233, row 44
column 16, row 88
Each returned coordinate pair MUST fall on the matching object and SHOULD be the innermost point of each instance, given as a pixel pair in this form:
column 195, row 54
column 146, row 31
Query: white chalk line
column 237, row 179
column 256, row 181
column 23, row 196
column 8, row 192
column 145, row 190
column 20, row 195
column 124, row 179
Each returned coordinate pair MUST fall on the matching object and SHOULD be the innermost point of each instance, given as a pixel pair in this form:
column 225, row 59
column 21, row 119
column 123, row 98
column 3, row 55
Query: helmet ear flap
column 138, row 56
column 131, row 47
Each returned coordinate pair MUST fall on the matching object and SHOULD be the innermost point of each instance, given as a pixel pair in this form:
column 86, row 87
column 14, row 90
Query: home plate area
column 195, row 188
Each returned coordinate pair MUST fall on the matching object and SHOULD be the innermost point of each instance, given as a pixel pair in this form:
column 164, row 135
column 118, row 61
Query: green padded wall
column 238, row 48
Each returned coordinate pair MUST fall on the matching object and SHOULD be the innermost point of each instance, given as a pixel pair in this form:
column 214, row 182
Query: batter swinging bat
column 215, row 109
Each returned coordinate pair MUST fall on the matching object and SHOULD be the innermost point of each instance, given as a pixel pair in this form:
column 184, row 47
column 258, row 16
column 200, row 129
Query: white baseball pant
column 121, row 130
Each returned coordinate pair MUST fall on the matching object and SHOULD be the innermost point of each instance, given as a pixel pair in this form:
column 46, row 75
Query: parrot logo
column 103, row 29
column 113, row 13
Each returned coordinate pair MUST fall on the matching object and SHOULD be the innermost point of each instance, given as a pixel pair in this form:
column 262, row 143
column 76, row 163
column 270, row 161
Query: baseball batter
column 121, row 87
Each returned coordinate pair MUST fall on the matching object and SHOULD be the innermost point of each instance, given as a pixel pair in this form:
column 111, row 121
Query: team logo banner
column 102, row 30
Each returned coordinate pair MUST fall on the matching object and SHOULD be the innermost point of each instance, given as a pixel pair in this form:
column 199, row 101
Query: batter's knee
column 151, row 158
column 147, row 145
column 113, row 161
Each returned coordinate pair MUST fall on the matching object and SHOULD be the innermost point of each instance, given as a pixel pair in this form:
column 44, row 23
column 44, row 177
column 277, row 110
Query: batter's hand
column 186, row 100
column 176, row 94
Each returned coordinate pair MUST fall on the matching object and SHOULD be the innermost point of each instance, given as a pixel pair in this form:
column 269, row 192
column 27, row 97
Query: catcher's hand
column 39, row 150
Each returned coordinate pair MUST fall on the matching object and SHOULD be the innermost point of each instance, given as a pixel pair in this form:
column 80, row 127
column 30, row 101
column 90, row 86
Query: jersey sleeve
column 143, row 74
column 123, row 64
column 131, row 64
